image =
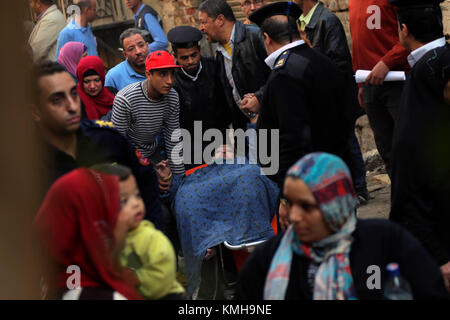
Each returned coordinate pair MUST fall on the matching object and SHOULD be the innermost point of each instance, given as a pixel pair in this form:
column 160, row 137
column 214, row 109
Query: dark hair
column 90, row 72
column 48, row 2
column 130, row 32
column 188, row 45
column 114, row 169
column 83, row 4
column 45, row 68
column 213, row 8
column 425, row 24
column 279, row 30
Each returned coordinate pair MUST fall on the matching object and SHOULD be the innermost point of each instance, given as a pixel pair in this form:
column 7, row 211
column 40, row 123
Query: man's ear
column 35, row 112
column 404, row 29
column 220, row 20
column 267, row 39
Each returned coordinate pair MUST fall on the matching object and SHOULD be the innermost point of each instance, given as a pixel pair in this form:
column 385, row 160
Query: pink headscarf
column 70, row 55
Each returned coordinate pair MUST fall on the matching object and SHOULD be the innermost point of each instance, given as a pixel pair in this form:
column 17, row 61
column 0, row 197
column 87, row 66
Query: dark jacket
column 421, row 155
column 140, row 21
column 326, row 33
column 303, row 99
column 98, row 143
column 376, row 242
column 201, row 100
column 249, row 69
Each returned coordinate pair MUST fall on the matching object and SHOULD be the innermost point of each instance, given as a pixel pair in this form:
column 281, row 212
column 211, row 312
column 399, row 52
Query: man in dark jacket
column 303, row 96
column 71, row 143
column 239, row 60
column 420, row 148
column 201, row 97
column 326, row 34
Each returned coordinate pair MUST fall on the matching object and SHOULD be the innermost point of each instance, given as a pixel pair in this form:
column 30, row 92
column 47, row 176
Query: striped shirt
column 141, row 120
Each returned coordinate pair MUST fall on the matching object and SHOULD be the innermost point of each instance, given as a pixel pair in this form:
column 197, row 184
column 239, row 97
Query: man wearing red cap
column 144, row 110
column 147, row 113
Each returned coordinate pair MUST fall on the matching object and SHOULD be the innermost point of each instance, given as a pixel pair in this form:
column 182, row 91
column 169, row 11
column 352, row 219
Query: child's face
column 132, row 207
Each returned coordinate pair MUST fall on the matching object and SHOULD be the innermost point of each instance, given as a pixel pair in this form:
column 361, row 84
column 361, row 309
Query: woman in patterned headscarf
column 326, row 252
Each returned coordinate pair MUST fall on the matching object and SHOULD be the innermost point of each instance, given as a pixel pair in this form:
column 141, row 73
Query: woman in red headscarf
column 97, row 99
column 82, row 230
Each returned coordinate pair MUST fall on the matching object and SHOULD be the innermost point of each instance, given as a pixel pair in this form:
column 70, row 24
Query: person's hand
column 250, row 103
column 283, row 216
column 250, row 106
column 164, row 175
column 445, row 269
column 124, row 223
column 378, row 73
column 360, row 98
column 210, row 252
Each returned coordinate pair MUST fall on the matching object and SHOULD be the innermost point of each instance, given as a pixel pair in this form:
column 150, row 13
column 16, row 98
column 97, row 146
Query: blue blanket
column 222, row 202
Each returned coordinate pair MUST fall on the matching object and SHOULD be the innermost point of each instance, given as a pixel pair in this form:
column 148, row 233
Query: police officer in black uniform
column 196, row 83
column 304, row 93
column 69, row 143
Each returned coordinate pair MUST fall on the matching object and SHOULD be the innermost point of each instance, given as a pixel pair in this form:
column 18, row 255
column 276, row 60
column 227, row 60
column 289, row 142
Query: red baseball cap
column 160, row 60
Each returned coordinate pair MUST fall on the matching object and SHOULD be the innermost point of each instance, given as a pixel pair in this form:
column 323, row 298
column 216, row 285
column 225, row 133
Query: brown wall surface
column 19, row 276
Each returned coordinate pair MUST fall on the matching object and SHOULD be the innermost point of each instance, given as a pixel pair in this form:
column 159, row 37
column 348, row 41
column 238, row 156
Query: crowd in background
column 121, row 206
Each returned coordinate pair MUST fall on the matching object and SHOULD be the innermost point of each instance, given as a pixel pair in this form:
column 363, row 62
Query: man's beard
column 139, row 66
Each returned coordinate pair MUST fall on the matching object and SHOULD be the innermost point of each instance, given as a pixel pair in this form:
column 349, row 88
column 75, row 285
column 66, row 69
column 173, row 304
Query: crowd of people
column 133, row 182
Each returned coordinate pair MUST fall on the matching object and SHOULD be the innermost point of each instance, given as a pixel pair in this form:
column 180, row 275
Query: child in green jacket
column 147, row 251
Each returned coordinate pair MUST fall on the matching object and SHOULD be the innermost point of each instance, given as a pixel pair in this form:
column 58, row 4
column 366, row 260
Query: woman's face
column 304, row 213
column 92, row 85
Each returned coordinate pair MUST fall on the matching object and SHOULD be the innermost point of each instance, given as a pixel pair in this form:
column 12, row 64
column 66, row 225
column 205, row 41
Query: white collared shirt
column 272, row 58
column 193, row 78
column 417, row 54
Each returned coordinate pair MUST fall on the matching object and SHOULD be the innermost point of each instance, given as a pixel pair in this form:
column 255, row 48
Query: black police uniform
column 202, row 99
column 98, row 142
column 304, row 98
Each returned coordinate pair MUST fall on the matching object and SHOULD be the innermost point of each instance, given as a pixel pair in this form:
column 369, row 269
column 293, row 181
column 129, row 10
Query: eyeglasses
column 254, row 2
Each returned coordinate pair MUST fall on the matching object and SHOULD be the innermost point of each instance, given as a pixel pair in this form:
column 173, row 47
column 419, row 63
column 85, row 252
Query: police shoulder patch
column 104, row 124
column 281, row 60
